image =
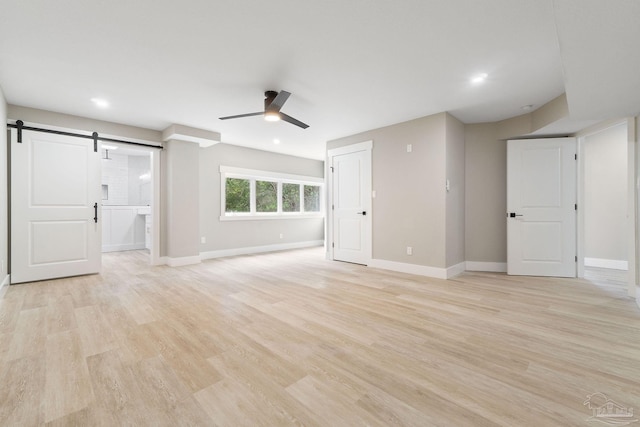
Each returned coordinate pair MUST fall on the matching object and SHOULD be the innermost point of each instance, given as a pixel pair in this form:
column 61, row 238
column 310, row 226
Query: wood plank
column 290, row 338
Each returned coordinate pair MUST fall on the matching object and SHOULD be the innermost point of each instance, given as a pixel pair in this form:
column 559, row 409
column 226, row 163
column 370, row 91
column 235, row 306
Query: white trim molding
column 259, row 249
column 493, row 267
column 5, row 285
column 182, row 261
column 614, row 264
column 456, row 270
column 420, row 270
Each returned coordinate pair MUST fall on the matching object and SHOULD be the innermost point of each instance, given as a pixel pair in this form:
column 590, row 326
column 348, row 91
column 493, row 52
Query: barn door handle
column 362, row 213
column 95, row 212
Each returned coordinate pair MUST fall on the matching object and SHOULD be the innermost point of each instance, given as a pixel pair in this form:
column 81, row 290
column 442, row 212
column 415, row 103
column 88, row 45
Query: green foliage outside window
column 237, row 195
column 290, row 197
column 311, row 198
column 266, row 196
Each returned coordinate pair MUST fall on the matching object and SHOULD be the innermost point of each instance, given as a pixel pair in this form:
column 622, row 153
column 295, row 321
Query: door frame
column 154, row 159
column 633, row 163
column 347, row 149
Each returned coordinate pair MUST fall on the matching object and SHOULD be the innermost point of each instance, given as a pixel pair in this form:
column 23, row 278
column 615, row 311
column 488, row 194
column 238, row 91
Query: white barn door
column 541, row 210
column 55, row 207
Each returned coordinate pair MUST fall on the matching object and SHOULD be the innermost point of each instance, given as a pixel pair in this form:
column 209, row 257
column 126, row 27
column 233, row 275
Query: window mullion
column 301, row 210
column 279, row 197
column 252, row 196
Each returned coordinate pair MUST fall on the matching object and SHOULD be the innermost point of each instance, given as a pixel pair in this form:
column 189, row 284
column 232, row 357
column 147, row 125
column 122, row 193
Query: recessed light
column 100, row 103
column 276, row 141
column 479, row 78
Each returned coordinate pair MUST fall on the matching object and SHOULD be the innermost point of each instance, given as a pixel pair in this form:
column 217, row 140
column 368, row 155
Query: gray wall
column 4, row 201
column 486, row 194
column 605, row 195
column 409, row 208
column 225, row 235
column 181, row 193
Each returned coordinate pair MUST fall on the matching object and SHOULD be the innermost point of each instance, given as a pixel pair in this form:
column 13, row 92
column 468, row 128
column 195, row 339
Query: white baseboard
column 439, row 273
column 494, row 267
column 182, row 261
column 614, row 264
column 5, row 285
column 455, row 270
column 420, row 270
column 259, row 249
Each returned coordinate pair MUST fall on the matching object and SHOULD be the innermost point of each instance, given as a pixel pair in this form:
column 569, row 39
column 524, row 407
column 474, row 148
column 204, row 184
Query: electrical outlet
column 203, row 240
column 409, row 148
column 409, row 250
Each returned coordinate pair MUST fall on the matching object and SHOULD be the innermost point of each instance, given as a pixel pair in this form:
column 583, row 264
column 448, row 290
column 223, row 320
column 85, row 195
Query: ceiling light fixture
column 276, row 141
column 527, row 107
column 100, row 103
column 271, row 116
column 479, row 78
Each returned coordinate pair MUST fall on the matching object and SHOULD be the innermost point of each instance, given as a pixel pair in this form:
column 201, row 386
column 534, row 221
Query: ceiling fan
column 273, row 102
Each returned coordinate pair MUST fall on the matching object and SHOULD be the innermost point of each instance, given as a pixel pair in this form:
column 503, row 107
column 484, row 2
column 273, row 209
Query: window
column 237, row 195
column 252, row 194
column 266, row 196
column 290, row 197
column 311, row 198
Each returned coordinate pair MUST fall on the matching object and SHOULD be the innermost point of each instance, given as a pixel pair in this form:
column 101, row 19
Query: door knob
column 513, row 215
column 362, row 213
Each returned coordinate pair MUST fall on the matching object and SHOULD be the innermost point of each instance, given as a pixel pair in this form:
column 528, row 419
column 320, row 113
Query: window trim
column 254, row 175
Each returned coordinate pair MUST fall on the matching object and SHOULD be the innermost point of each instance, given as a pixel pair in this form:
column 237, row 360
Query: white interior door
column 351, row 204
column 55, row 207
column 541, row 210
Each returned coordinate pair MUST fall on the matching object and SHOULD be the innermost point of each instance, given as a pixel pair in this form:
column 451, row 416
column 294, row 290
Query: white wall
column 4, row 200
column 605, row 197
column 122, row 176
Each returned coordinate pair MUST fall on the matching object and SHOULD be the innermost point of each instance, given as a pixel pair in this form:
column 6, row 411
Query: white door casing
column 350, row 204
column 55, row 196
column 541, row 209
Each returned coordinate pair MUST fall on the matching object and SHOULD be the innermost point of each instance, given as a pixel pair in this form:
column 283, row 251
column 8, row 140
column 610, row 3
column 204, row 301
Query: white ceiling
column 351, row 65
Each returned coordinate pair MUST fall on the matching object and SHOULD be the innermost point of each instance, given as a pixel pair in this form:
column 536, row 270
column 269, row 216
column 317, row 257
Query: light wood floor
column 292, row 339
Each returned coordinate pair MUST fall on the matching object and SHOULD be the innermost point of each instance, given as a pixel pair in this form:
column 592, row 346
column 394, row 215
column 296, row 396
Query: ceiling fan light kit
column 273, row 102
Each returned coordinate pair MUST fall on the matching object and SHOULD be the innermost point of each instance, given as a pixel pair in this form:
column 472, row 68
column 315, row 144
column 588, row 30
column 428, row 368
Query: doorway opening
column 604, row 222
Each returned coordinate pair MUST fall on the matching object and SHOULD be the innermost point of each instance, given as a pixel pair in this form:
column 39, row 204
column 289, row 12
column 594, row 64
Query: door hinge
column 576, row 206
column 333, row 245
column 576, row 258
column 575, row 156
column 332, row 207
column 331, row 167
column 19, row 124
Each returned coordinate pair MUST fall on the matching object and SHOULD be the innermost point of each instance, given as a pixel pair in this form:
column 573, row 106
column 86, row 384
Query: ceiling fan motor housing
column 269, row 96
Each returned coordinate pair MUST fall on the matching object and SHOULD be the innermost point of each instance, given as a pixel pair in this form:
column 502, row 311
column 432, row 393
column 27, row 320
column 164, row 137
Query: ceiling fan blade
column 293, row 121
column 279, row 101
column 242, row 115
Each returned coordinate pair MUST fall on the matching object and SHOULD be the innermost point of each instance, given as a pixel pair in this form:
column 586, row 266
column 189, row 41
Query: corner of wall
column 4, row 193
